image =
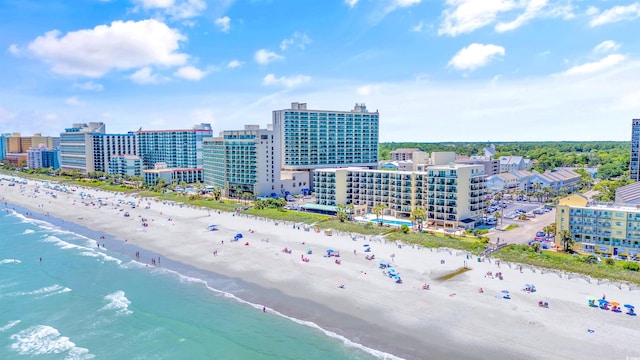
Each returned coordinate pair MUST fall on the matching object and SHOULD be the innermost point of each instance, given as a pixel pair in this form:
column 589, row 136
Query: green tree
column 418, row 215
column 378, row 210
column 566, row 240
column 342, row 212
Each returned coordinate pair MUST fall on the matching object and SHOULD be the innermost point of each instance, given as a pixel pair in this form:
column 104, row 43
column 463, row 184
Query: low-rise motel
column 600, row 229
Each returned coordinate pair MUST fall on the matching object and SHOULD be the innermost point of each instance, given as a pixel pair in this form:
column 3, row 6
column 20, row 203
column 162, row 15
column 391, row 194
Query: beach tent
column 238, row 236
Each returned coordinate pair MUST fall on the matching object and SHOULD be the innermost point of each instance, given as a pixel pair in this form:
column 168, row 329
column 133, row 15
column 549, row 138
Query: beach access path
column 451, row 319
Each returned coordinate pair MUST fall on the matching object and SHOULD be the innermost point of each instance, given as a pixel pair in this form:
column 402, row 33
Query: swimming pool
column 394, row 223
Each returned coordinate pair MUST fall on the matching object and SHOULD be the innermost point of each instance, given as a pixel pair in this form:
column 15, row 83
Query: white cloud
column 145, row 76
column 592, row 10
column 284, row 81
column 120, row 46
column 14, row 49
column 615, row 14
column 223, row 23
column 74, row 101
column 50, row 117
column 351, row 3
column 418, row 28
column 606, row 46
column 301, row 40
column 89, row 86
column 596, row 66
column 531, row 11
column 367, row 90
column 475, row 56
column 264, row 56
column 464, row 16
column 190, row 73
column 234, row 64
column 177, row 9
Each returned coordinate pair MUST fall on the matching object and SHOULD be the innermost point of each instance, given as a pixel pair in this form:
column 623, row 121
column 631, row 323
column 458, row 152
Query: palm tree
column 566, row 240
column 378, row 210
column 498, row 215
column 418, row 215
column 536, row 190
column 342, row 210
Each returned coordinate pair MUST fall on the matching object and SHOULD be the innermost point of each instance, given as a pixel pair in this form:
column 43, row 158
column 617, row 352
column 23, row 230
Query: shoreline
column 399, row 319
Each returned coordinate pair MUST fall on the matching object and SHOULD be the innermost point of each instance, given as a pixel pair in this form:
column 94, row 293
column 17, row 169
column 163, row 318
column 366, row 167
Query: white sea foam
column 43, row 339
column 9, row 325
column 10, row 261
column 43, row 292
column 377, row 353
column 28, row 231
column 119, row 302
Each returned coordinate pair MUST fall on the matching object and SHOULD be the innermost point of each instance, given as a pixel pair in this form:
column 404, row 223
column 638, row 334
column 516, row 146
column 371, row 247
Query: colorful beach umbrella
column 330, row 250
column 614, row 303
column 629, row 306
column 365, row 245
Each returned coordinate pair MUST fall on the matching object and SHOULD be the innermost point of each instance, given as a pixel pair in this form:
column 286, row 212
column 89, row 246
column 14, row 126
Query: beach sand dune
column 451, row 319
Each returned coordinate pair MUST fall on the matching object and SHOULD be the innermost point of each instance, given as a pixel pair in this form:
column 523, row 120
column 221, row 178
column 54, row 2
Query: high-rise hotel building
column 313, row 139
column 176, row 148
column 87, row 147
column 634, row 164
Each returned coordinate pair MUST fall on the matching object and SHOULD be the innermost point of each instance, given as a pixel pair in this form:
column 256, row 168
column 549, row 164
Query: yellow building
column 599, row 229
column 21, row 144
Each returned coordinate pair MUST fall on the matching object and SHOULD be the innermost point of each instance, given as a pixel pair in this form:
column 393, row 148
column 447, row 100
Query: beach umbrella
column 603, row 301
column 308, row 249
column 365, row 245
column 392, row 271
column 330, row 251
column 629, row 306
column 239, row 236
column 614, row 303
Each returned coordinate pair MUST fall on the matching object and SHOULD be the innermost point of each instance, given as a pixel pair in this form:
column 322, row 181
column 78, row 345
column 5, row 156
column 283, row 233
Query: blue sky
column 437, row 70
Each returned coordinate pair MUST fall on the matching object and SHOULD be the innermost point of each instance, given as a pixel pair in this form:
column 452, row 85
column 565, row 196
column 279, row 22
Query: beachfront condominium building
column 130, row 165
column 41, row 157
column 312, row 139
column 74, row 144
column 176, row 148
column 87, row 148
column 248, row 161
column 452, row 195
column 604, row 229
column 634, row 164
column 3, row 145
column 172, row 175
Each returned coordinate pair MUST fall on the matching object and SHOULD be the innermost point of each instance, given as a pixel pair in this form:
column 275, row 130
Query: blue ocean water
column 82, row 301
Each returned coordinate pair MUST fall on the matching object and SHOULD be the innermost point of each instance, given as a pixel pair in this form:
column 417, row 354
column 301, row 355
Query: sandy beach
column 452, row 318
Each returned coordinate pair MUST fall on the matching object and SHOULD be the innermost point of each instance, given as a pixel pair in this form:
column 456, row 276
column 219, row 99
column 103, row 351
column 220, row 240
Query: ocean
column 63, row 297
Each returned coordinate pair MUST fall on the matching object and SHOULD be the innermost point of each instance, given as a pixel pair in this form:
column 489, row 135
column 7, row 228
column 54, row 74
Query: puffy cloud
column 264, row 56
column 475, row 56
column 74, row 101
column 299, row 39
column 351, row 3
column 190, row 73
column 615, row 14
column 177, row 9
column 14, row 49
column 234, row 64
column 223, row 23
column 596, row 66
column 284, row 81
column 89, row 86
column 119, row 46
column 606, row 46
column 145, row 76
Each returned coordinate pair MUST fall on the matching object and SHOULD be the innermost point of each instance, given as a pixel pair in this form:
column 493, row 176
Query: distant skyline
column 436, row 70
